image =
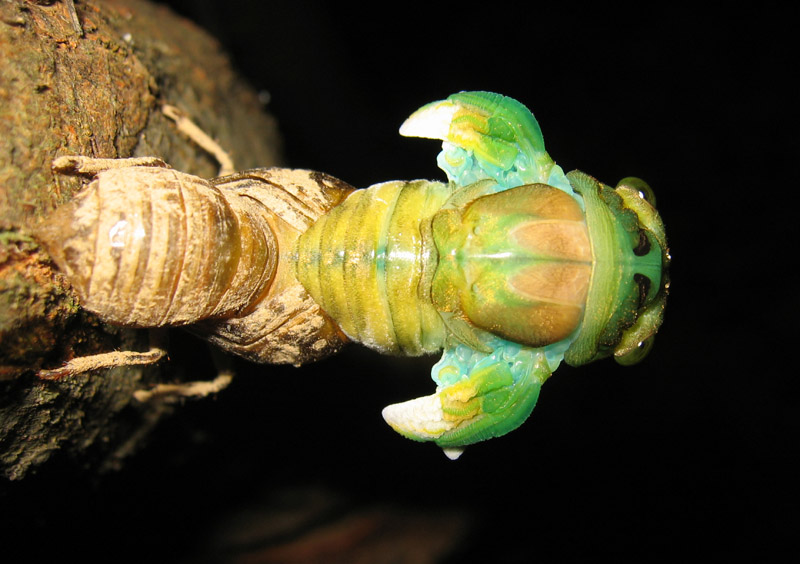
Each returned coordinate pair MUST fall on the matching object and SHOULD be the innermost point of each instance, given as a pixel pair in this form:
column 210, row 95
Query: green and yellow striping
column 363, row 263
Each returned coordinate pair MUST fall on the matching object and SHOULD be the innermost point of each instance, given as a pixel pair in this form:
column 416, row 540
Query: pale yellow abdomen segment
column 365, row 261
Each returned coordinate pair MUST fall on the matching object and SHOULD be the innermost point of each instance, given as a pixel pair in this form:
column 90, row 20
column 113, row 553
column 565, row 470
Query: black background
column 691, row 453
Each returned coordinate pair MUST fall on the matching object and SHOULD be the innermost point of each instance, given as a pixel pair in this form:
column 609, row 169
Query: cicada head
column 628, row 289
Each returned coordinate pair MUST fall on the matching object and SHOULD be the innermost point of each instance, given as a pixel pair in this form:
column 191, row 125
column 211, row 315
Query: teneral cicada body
column 533, row 267
column 511, row 267
column 401, row 268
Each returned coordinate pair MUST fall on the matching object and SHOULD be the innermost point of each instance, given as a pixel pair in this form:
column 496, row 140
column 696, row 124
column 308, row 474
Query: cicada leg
column 156, row 352
column 200, row 138
column 84, row 364
column 198, row 389
column 77, row 165
column 194, row 389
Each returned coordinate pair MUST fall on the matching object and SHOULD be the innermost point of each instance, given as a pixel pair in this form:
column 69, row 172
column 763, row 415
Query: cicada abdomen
column 148, row 246
column 369, row 262
column 140, row 253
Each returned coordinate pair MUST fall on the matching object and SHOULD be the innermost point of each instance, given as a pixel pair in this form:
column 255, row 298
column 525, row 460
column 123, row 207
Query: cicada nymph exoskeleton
column 148, row 246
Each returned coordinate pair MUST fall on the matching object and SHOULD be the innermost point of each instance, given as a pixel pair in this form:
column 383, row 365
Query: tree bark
column 93, row 87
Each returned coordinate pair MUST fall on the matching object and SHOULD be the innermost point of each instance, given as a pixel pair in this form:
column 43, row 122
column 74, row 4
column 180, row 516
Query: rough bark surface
column 94, row 89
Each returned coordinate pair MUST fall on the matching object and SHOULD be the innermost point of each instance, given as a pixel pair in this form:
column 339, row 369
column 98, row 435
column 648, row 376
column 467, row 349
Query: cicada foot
column 495, row 396
column 174, row 392
column 76, row 165
column 170, row 393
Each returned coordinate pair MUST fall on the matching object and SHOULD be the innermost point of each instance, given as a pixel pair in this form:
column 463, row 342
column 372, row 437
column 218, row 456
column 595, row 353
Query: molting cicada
column 509, row 268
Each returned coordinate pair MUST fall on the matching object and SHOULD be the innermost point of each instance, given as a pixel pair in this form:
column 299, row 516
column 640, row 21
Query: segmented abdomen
column 369, row 261
column 148, row 246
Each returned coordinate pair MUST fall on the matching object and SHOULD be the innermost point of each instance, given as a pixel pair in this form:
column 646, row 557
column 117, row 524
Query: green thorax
column 515, row 263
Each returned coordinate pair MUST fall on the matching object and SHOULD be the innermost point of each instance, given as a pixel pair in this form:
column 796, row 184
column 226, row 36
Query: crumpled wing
column 487, row 135
column 479, row 395
column 486, row 386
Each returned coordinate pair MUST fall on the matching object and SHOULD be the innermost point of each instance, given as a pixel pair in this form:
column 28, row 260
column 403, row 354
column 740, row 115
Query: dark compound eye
column 637, row 354
column 640, row 186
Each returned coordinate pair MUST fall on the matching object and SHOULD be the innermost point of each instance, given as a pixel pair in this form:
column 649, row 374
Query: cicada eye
column 637, row 354
column 635, row 183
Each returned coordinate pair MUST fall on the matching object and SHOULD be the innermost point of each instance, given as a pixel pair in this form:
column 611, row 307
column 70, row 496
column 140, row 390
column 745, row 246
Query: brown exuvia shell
column 147, row 246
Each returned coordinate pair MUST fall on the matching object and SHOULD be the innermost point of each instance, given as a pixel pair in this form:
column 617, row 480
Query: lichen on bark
column 96, row 93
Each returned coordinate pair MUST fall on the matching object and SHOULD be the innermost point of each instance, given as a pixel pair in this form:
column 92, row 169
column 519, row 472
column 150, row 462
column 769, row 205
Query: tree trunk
column 93, row 86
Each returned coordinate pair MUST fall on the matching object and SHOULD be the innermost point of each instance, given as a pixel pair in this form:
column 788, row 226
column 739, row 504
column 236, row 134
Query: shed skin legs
column 74, row 165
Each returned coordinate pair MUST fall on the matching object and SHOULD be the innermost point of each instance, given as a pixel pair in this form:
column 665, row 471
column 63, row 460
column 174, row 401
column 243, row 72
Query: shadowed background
column 691, row 452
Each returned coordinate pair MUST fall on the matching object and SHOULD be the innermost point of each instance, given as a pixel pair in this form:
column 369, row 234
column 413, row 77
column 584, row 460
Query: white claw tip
column 453, row 453
column 430, row 122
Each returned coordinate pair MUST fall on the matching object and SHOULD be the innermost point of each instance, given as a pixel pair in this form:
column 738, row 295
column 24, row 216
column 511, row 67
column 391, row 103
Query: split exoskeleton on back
column 148, row 246
column 510, row 267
